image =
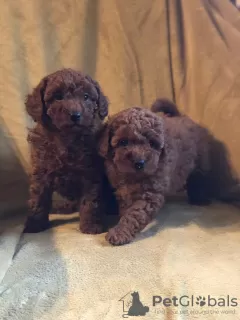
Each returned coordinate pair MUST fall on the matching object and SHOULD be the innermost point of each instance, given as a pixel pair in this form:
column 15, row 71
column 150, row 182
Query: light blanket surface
column 63, row 274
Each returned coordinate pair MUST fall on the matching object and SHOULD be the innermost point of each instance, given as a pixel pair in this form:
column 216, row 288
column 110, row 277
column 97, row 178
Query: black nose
column 139, row 164
column 75, row 116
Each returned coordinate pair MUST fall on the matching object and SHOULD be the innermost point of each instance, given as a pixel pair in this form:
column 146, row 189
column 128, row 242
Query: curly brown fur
column 148, row 157
column 165, row 106
column 68, row 108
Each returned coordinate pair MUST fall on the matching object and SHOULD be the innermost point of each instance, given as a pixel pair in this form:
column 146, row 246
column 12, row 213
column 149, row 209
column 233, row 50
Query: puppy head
column 67, row 100
column 133, row 141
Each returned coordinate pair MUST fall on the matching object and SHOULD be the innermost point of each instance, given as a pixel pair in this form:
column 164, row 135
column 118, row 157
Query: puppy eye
column 154, row 144
column 123, row 143
column 86, row 96
column 58, row 96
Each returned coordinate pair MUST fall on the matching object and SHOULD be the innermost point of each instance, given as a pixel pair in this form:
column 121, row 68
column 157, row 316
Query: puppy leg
column 198, row 183
column 39, row 204
column 91, row 210
column 134, row 218
column 198, row 189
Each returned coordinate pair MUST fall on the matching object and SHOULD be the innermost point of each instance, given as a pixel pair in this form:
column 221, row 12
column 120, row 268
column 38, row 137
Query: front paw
column 35, row 224
column 91, row 228
column 118, row 236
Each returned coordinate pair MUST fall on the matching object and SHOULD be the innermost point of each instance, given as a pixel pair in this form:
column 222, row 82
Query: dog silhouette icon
column 137, row 308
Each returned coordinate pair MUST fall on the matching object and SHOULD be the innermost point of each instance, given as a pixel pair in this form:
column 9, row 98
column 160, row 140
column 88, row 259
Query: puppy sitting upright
column 69, row 109
column 148, row 157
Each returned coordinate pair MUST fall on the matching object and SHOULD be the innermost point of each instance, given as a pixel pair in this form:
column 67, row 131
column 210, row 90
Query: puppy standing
column 148, row 157
column 69, row 109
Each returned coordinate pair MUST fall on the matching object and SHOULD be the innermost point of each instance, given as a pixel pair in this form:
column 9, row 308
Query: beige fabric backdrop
column 138, row 50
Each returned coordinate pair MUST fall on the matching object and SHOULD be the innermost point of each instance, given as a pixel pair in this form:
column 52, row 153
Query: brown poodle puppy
column 68, row 108
column 148, row 157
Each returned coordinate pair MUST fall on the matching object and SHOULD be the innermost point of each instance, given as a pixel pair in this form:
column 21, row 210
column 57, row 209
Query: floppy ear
column 102, row 101
column 160, row 130
column 102, row 104
column 104, row 141
column 35, row 104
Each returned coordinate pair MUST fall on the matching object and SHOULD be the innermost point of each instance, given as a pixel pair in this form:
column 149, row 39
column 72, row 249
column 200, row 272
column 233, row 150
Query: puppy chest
column 68, row 183
column 71, row 159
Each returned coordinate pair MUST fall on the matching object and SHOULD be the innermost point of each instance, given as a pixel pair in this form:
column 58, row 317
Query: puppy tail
column 165, row 106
